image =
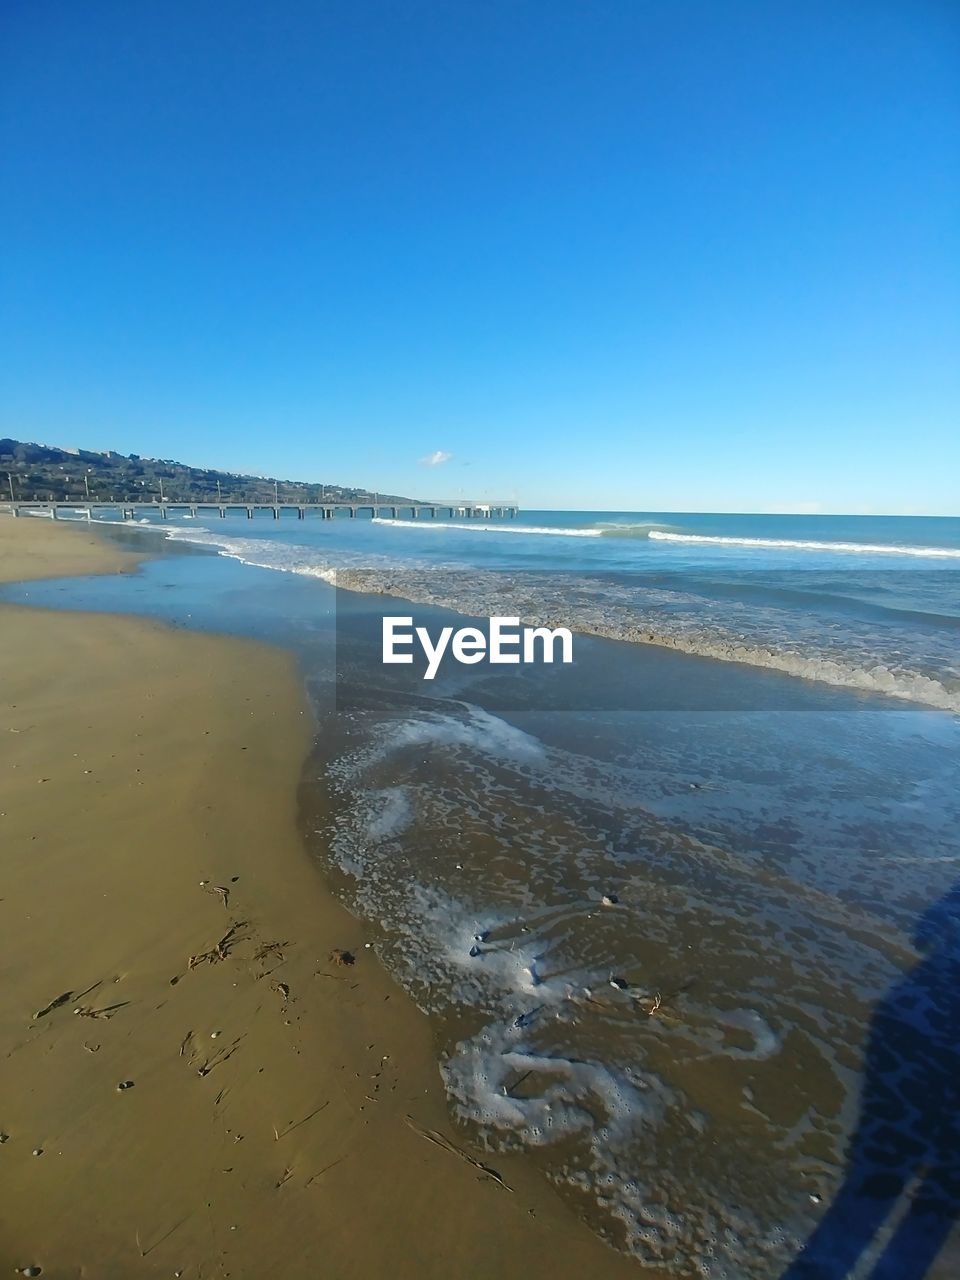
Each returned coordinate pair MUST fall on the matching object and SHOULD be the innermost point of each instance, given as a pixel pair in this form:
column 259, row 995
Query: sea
column 662, row 905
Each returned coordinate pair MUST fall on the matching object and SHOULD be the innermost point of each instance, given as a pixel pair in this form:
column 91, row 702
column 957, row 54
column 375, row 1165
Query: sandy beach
column 191, row 1084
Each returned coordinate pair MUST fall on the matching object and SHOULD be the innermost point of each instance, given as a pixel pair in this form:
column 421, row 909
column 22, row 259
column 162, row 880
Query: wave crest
column 798, row 544
column 483, row 526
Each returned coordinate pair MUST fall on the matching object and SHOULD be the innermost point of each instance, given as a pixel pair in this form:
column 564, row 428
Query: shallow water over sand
column 652, row 942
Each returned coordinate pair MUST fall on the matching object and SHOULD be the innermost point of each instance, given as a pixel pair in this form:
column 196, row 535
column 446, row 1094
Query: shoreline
column 281, row 1106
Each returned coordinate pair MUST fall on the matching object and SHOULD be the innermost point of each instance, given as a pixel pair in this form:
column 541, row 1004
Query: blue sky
column 669, row 256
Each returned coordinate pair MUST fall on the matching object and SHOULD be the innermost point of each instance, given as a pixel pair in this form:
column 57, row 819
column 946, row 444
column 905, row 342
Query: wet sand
column 162, row 928
column 32, row 548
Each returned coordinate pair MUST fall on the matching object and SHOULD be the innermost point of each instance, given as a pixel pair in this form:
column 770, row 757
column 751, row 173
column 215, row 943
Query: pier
column 84, row 508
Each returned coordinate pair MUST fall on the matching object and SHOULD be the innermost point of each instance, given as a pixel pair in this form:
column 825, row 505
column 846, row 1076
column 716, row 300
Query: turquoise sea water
column 756, row 763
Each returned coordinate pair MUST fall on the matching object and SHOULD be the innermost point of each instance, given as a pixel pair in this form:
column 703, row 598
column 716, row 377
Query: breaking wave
column 483, row 526
column 797, row 544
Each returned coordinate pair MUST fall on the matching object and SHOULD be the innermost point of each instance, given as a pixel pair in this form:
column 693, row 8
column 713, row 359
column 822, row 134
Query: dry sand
column 265, row 1132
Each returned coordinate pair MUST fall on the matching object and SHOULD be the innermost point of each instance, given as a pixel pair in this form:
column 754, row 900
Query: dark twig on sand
column 54, row 1004
column 62, row 1000
column 445, row 1144
column 219, row 1058
column 270, row 951
column 297, row 1123
column 220, row 950
column 518, row 1082
column 84, row 1011
column 166, row 1236
column 326, row 1169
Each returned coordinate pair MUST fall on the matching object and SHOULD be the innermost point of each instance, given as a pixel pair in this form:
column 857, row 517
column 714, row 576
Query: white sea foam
column 391, row 814
column 478, row 730
column 512, row 943
column 484, row 526
column 748, row 1021
column 513, row 1092
column 630, row 528
column 473, row 728
column 573, row 1095
column 856, row 548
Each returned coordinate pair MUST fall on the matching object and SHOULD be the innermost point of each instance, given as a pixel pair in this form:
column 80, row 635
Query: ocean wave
column 797, row 544
column 631, row 528
column 658, row 623
column 489, row 592
column 484, row 526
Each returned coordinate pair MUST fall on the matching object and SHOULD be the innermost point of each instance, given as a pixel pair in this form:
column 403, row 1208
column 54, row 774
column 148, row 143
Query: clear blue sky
column 672, row 255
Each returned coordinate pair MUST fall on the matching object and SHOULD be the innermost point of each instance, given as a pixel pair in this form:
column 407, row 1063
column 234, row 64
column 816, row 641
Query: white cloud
column 436, row 459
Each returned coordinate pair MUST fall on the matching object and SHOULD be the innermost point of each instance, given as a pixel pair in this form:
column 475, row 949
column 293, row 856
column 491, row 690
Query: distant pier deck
column 299, row 510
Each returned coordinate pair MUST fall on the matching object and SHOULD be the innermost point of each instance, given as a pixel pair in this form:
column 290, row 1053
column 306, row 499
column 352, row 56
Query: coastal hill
column 39, row 472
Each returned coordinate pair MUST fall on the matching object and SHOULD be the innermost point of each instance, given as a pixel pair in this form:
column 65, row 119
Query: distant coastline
column 36, row 471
